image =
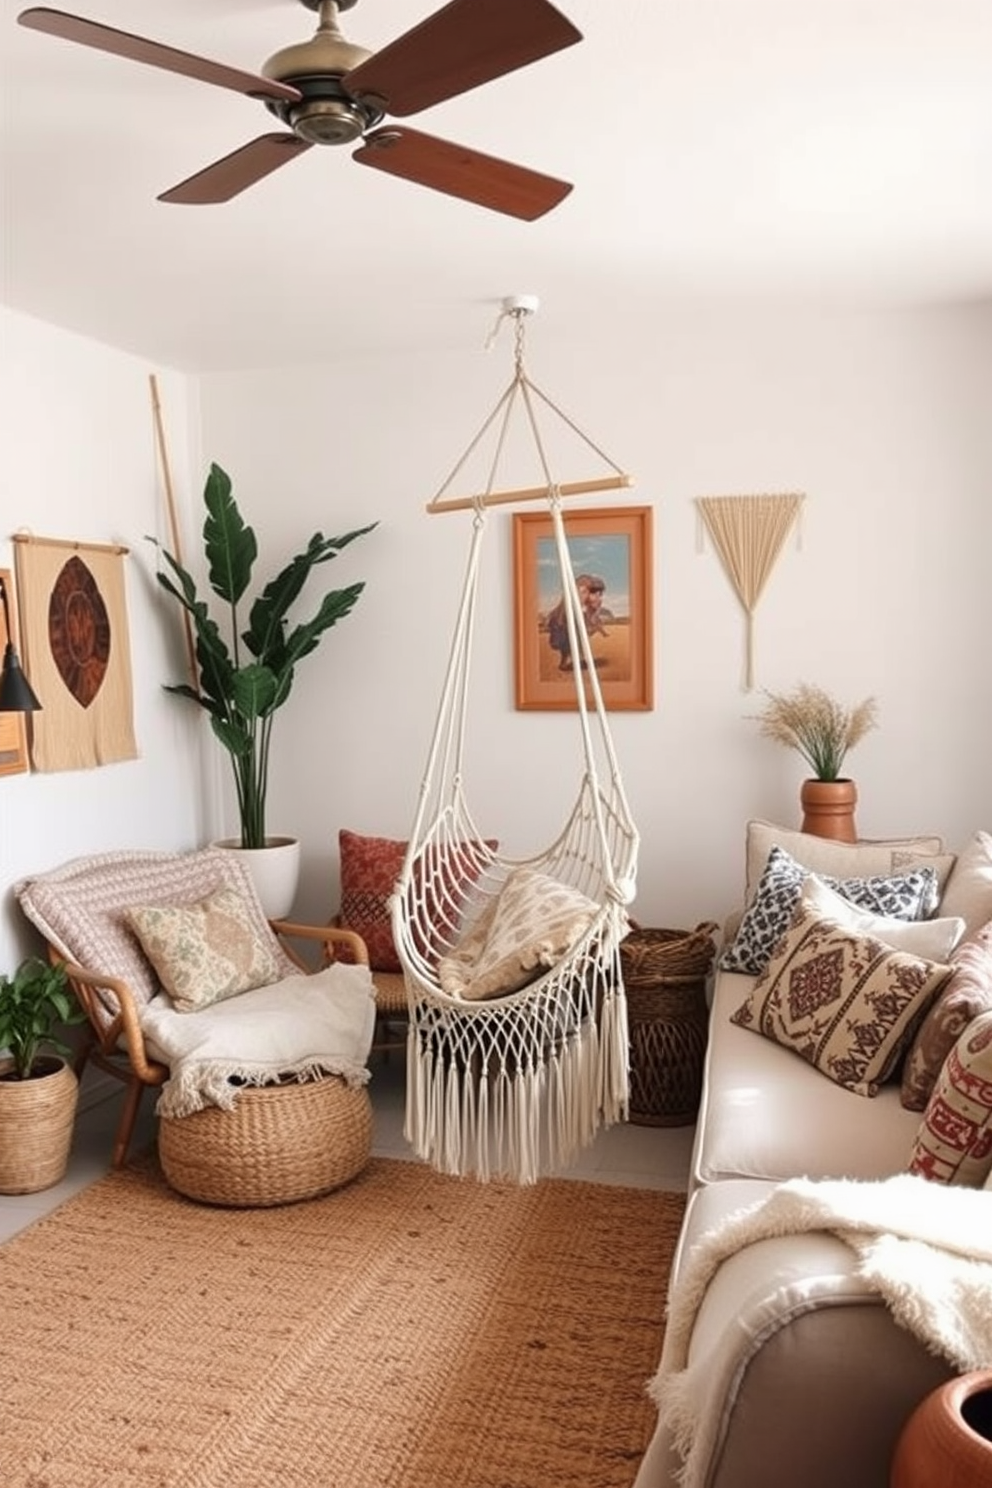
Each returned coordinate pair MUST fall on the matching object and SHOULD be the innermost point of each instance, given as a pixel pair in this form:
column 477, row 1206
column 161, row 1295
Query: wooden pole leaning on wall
column 170, row 503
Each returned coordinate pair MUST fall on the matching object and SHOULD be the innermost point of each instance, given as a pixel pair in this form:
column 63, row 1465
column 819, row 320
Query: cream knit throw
column 926, row 1249
column 302, row 1026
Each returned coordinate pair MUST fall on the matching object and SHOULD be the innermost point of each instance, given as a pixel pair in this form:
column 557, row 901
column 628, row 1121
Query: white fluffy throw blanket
column 926, row 1249
column 304, row 1026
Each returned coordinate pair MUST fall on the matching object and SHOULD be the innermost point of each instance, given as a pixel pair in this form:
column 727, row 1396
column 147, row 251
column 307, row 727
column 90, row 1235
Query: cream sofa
column 810, row 1378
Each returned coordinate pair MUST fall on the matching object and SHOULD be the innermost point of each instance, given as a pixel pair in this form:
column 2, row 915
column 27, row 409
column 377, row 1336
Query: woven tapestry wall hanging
column 76, row 652
column 748, row 533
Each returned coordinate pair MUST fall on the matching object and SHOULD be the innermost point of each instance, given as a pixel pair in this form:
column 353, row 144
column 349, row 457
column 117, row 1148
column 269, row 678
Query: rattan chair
column 392, row 1011
column 79, row 909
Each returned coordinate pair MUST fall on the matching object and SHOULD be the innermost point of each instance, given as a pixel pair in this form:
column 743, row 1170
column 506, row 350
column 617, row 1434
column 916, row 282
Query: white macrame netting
column 515, row 1086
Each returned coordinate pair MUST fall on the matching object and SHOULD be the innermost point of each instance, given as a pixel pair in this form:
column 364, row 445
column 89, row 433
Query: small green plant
column 244, row 680
column 821, row 729
column 34, row 1002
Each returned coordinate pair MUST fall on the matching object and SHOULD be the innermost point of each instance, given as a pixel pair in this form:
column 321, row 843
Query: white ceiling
column 840, row 149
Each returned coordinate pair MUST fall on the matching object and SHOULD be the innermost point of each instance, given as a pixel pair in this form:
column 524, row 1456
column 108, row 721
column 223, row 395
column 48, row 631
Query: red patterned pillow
column 370, row 867
column 954, row 1142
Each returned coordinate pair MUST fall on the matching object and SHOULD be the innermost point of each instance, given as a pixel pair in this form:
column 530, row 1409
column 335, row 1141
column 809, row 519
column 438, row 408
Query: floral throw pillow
column 207, row 951
column 848, row 1004
column 903, row 896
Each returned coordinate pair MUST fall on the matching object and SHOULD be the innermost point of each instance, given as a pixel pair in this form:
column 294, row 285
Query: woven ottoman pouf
column 278, row 1144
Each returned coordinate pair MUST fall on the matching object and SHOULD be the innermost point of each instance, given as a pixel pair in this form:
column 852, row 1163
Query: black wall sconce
column 16, row 694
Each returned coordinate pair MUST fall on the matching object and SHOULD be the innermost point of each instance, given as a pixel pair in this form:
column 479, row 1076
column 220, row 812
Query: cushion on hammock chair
column 531, row 924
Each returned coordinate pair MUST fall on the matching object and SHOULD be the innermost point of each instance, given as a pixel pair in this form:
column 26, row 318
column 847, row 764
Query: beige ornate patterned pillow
column 528, row 928
column 954, row 1142
column 847, row 1003
column 204, row 952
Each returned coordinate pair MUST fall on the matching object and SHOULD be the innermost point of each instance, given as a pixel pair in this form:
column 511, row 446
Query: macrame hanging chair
column 515, row 1085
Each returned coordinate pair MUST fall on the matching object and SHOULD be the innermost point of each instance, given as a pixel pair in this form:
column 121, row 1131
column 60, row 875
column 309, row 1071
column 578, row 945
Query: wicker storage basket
column 278, row 1144
column 36, row 1124
column 664, row 973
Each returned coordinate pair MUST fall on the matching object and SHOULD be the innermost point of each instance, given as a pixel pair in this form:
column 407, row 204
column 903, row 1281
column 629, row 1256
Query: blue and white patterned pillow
column 912, row 895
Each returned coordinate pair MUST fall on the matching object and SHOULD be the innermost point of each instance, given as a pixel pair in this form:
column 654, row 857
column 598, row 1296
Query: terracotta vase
column 828, row 809
column 948, row 1438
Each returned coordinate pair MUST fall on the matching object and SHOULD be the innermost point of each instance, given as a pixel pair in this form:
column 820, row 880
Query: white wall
column 881, row 419
column 78, row 460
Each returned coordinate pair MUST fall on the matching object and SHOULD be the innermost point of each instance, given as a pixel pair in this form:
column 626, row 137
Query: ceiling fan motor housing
column 327, row 113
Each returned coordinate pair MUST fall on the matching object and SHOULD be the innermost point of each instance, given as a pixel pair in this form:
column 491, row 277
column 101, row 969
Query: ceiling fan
column 331, row 92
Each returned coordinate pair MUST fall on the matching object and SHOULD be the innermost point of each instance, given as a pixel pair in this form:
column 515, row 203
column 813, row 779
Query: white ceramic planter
column 275, row 870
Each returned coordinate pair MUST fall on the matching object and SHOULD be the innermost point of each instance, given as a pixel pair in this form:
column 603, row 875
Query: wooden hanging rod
column 58, row 542
column 530, row 493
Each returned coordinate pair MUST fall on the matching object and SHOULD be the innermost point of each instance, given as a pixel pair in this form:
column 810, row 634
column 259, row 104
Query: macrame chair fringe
column 517, row 1085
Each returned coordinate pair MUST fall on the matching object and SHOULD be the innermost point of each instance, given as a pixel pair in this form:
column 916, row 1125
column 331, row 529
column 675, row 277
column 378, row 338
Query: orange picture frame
column 612, row 556
column 13, row 735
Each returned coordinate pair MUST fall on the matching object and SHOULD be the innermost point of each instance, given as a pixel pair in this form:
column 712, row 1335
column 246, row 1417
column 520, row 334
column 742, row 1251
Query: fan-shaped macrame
column 749, row 532
column 515, row 1085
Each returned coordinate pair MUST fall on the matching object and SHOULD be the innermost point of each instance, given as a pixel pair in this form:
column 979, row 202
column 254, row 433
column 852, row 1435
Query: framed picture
column 611, row 553
column 13, row 738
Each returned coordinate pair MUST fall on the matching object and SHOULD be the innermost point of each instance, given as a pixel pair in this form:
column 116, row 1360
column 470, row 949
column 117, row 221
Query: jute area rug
column 410, row 1330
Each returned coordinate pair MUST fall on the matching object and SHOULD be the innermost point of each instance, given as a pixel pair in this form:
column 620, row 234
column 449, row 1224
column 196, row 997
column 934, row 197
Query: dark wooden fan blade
column 237, row 171
column 466, row 43
column 475, row 177
column 139, row 49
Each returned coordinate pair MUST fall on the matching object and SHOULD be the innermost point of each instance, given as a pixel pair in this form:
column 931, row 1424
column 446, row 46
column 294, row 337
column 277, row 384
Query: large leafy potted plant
column 243, row 679
column 38, row 1087
column 823, row 731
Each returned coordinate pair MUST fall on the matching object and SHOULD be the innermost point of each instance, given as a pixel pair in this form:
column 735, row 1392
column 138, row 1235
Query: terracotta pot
column 828, row 809
column 948, row 1438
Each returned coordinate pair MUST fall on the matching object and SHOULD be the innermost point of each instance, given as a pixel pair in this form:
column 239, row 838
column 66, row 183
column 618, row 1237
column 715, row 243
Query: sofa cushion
column 748, row 1126
column 846, row 1003
column 962, row 998
column 969, row 888
column 954, row 1141
column 934, row 939
column 821, row 855
column 207, row 951
column 911, row 895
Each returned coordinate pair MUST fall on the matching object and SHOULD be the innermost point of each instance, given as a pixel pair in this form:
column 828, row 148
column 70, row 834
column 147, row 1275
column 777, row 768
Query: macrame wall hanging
column 749, row 533
column 513, row 1080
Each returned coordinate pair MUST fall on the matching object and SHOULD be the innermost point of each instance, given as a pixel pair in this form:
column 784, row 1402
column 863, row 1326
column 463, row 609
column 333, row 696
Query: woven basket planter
column 664, row 973
column 278, row 1144
column 36, row 1124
